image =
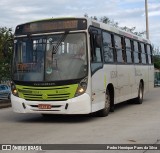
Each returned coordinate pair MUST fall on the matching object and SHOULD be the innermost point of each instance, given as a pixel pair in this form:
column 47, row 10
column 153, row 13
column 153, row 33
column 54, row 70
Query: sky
column 130, row 13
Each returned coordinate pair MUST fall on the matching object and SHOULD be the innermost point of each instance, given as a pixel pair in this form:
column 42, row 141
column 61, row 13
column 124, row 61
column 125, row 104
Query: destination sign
column 52, row 25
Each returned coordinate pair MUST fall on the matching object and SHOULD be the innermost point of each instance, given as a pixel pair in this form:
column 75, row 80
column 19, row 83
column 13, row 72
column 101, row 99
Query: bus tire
column 104, row 112
column 139, row 99
column 112, row 106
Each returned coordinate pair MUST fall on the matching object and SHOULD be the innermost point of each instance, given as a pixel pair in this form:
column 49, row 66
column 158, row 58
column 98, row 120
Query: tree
column 5, row 41
column 105, row 19
column 156, row 57
column 86, row 15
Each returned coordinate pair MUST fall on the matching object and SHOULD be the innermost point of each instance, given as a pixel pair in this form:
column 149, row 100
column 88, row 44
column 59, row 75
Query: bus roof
column 115, row 30
column 95, row 23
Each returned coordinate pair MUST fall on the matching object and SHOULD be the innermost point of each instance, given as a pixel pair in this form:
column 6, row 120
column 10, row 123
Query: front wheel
column 139, row 99
column 104, row 112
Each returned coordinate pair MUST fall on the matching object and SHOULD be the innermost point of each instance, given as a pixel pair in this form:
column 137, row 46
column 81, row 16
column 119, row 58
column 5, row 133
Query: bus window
column 145, row 48
column 149, row 54
column 108, row 48
column 143, row 54
column 96, row 49
column 136, row 52
column 118, row 47
column 128, row 50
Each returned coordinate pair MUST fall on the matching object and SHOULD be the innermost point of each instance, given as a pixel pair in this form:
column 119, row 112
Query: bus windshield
column 50, row 58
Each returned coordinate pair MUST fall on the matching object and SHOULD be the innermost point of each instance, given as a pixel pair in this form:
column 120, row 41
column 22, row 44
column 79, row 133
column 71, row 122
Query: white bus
column 77, row 66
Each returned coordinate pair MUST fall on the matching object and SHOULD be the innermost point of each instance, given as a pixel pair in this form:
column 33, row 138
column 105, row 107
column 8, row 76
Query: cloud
column 127, row 12
column 154, row 9
column 154, row 13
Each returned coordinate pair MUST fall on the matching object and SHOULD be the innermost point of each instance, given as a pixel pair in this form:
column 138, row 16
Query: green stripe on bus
column 47, row 93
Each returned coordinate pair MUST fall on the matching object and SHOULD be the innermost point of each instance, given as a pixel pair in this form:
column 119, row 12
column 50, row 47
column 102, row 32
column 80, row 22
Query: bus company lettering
column 138, row 72
column 113, row 74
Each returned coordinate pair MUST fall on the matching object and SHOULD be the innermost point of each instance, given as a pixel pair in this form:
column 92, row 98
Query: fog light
column 81, row 90
column 14, row 90
column 81, row 87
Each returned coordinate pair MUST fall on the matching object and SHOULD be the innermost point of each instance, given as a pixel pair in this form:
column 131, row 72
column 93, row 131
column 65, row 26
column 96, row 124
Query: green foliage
column 156, row 59
column 107, row 20
column 156, row 56
column 6, row 41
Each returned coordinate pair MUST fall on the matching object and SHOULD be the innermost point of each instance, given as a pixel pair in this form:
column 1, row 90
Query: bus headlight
column 81, row 87
column 14, row 90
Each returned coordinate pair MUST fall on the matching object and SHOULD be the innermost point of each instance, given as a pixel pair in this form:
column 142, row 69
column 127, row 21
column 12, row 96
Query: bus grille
column 58, row 93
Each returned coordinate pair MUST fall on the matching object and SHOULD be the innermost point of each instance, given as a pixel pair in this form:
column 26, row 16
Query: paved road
column 129, row 124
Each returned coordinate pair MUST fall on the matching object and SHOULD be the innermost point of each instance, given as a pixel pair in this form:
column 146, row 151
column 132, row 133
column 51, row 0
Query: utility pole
column 147, row 26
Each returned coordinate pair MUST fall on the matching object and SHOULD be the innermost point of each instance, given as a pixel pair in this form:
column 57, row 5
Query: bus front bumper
column 77, row 105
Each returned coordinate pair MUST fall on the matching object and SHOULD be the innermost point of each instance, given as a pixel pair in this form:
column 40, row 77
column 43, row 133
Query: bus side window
column 128, row 50
column 96, row 49
column 108, row 48
column 118, row 47
column 98, row 55
column 136, row 52
column 145, row 48
column 149, row 54
column 143, row 54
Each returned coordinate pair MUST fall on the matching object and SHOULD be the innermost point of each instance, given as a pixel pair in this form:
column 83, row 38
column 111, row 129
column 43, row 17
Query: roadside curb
column 5, row 103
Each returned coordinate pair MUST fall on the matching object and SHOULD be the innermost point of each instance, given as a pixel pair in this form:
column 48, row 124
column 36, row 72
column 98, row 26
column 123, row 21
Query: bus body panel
column 110, row 72
column 151, row 77
column 78, row 105
column 123, row 82
column 98, row 90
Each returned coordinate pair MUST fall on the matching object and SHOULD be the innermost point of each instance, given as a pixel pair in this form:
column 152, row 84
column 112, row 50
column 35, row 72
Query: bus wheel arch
column 108, row 96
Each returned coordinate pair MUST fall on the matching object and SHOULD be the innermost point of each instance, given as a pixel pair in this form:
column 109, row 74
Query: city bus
column 78, row 66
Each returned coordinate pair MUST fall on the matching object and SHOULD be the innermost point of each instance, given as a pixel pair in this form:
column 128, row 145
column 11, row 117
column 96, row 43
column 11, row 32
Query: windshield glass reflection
column 50, row 58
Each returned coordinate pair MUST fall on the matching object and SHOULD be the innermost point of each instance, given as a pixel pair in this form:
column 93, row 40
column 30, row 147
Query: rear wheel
column 139, row 99
column 112, row 102
column 104, row 112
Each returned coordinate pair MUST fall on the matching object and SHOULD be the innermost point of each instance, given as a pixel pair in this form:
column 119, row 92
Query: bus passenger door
column 97, row 79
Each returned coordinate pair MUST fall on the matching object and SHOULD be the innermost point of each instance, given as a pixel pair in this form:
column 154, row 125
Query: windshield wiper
column 55, row 48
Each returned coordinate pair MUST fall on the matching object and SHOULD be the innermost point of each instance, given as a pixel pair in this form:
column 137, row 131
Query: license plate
column 44, row 106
